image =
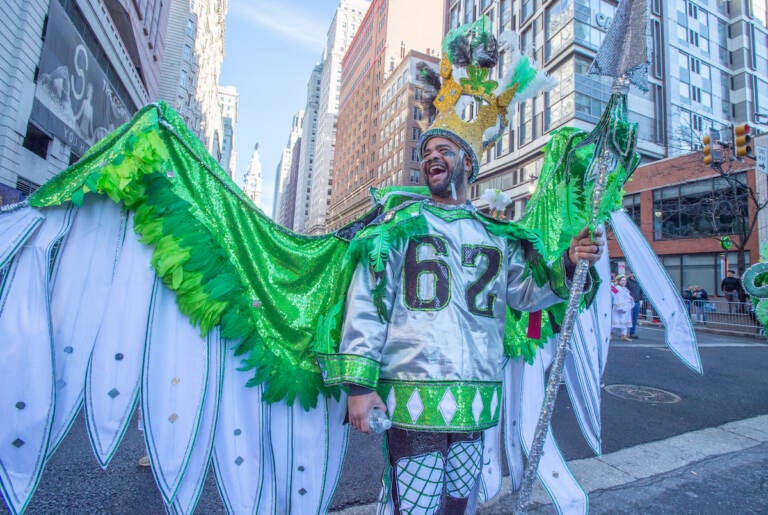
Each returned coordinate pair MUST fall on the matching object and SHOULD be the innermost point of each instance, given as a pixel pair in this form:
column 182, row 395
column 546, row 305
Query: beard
column 442, row 189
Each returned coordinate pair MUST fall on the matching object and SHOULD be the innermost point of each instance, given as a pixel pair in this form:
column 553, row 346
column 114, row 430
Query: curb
column 634, row 463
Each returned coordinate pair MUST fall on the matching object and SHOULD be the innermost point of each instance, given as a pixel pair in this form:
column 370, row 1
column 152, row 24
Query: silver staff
column 623, row 56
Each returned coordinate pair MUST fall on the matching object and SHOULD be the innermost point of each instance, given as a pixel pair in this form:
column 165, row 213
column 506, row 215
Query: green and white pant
column 430, row 472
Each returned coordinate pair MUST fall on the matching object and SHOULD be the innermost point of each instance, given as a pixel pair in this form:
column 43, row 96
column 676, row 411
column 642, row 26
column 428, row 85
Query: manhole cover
column 635, row 392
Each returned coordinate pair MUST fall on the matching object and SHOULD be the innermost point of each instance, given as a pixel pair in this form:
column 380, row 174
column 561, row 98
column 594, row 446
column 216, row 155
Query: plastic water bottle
column 378, row 421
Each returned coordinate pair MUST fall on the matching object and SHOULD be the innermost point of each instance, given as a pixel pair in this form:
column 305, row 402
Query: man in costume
column 425, row 325
column 423, row 334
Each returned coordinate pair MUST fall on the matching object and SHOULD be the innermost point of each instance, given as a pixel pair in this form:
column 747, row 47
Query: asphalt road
column 733, row 387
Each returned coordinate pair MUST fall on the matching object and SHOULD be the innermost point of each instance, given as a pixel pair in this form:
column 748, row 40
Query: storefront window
column 700, row 209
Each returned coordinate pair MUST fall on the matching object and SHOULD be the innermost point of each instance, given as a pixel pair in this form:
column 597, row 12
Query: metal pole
column 606, row 162
column 556, row 371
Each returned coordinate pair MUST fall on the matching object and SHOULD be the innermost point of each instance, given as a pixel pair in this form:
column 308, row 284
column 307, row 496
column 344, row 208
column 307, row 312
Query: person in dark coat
column 731, row 287
column 637, row 296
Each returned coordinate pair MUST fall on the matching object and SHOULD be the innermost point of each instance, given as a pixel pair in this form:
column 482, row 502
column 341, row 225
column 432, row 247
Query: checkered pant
column 432, row 472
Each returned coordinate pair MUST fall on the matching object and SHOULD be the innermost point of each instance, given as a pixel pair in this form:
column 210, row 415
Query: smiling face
column 441, row 166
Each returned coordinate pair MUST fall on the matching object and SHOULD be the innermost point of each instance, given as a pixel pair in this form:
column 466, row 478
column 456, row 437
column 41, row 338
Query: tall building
column 403, row 117
column 306, row 159
column 292, row 186
column 179, row 70
column 229, row 101
column 142, row 26
column 389, row 30
column 72, row 71
column 707, row 67
column 190, row 75
column 209, row 47
column 283, row 208
column 345, row 21
column 252, row 181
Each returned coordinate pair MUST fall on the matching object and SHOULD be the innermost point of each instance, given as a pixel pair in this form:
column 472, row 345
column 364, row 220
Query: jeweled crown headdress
column 470, row 52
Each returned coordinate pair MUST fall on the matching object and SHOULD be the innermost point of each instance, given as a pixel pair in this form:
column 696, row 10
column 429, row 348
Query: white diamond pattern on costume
column 415, row 406
column 494, row 402
column 391, row 402
column 477, row 406
column 447, row 406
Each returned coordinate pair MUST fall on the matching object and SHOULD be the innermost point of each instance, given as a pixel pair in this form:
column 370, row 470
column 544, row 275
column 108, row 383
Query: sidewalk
column 715, row 470
column 689, row 473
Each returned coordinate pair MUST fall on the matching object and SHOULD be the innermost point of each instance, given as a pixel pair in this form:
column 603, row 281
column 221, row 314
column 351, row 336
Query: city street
column 191, row 193
column 733, row 388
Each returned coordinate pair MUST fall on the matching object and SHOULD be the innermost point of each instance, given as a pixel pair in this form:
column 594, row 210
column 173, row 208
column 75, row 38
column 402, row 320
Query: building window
column 414, row 176
column 416, row 133
column 693, row 10
column 36, row 141
column 190, row 30
column 696, row 94
column 697, row 122
column 700, row 209
column 26, row 187
column 558, row 27
column 187, row 53
column 183, row 78
column 505, row 15
column 693, row 37
column 657, row 50
column 469, row 10
column 658, row 100
column 418, row 114
column 454, row 17
column 526, row 10
column 694, row 65
column 592, row 108
column 631, row 205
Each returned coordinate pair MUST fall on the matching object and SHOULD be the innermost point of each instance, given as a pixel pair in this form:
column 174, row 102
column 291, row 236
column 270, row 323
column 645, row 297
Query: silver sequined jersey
column 446, row 293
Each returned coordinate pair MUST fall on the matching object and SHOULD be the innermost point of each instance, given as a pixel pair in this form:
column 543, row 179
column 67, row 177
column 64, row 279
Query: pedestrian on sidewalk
column 731, row 286
column 637, row 296
column 688, row 300
column 621, row 312
column 700, row 298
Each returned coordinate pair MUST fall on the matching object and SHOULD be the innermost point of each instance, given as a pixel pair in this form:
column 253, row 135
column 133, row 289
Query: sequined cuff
column 348, row 368
column 450, row 406
column 591, row 287
column 558, row 277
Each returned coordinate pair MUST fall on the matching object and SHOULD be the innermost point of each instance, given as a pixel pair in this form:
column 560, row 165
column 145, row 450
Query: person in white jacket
column 622, row 302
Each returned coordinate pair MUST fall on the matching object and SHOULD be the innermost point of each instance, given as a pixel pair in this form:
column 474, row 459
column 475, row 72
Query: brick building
column 389, row 30
column 683, row 208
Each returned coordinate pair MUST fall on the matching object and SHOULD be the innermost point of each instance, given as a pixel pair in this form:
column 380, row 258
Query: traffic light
column 707, row 149
column 742, row 141
column 713, row 149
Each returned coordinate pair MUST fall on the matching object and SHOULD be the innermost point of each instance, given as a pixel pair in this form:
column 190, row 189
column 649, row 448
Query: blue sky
column 271, row 47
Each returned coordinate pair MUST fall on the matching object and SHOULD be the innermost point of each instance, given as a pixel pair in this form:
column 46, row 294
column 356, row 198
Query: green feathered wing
column 229, row 265
column 279, row 294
